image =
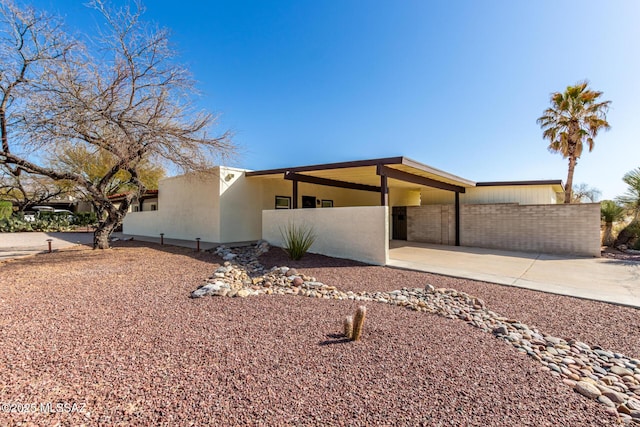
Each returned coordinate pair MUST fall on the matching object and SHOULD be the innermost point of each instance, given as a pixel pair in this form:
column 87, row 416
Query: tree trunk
column 569, row 185
column 607, row 234
column 112, row 218
column 103, row 233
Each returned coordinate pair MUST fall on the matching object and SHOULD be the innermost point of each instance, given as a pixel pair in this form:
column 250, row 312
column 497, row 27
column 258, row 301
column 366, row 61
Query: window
column 136, row 208
column 283, row 202
column 308, row 202
column 327, row 203
column 154, row 207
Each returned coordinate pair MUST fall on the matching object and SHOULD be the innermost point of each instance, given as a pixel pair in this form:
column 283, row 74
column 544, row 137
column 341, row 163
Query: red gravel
column 611, row 326
column 116, row 331
column 619, row 255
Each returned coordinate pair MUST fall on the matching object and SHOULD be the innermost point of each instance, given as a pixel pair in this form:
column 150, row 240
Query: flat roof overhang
column 400, row 172
column 556, row 184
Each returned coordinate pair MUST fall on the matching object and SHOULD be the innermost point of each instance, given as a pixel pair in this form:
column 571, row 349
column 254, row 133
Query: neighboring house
column 356, row 207
column 66, row 202
column 147, row 202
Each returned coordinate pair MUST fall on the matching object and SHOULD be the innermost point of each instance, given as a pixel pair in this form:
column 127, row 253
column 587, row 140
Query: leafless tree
column 26, row 190
column 125, row 95
column 582, row 193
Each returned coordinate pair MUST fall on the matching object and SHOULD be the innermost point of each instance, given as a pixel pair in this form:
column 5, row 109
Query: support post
column 457, row 216
column 295, row 194
column 384, row 191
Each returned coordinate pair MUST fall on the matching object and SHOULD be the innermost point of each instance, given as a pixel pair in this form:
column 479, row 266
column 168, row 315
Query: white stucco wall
column 146, row 223
column 240, row 207
column 358, row 233
column 522, row 194
column 188, row 207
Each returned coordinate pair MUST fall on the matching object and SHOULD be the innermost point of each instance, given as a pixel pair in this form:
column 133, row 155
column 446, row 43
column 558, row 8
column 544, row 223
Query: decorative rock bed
column 611, row 378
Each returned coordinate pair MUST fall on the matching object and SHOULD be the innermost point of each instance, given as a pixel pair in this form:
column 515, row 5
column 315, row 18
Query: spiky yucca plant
column 610, row 212
column 297, row 239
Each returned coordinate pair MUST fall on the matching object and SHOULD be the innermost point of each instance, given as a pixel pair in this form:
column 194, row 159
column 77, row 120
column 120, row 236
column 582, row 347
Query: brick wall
column 431, row 224
column 562, row 229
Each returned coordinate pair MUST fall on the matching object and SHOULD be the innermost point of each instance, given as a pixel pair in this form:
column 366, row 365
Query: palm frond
column 610, row 211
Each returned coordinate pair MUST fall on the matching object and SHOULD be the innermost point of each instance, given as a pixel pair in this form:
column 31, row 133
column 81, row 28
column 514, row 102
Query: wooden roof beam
column 329, row 182
column 327, row 166
column 416, row 179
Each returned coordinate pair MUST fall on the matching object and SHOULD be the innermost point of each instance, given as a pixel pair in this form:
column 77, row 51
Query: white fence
column 357, row 233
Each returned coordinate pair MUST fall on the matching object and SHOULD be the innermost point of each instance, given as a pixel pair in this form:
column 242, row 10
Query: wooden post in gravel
column 358, row 322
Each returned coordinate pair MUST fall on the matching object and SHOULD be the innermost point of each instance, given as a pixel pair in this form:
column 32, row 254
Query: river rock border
column 608, row 377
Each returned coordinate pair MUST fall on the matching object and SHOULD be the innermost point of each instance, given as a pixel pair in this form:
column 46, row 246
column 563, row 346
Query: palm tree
column 574, row 118
column 610, row 212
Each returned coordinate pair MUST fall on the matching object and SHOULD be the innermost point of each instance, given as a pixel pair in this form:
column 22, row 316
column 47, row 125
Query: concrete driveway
column 16, row 245
column 599, row 279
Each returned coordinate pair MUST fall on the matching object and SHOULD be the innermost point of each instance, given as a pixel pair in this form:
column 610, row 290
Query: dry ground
column 115, row 333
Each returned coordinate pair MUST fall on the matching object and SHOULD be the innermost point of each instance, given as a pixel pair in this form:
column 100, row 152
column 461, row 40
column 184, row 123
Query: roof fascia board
column 505, row 183
column 426, row 168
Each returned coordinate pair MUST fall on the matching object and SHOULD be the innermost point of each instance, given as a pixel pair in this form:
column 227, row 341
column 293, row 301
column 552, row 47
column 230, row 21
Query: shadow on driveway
column 16, row 245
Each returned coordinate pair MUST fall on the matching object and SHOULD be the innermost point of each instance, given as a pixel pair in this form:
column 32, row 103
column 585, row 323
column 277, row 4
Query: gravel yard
column 113, row 338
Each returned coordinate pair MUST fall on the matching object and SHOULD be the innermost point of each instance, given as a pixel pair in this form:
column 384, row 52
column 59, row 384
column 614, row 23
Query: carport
column 375, row 175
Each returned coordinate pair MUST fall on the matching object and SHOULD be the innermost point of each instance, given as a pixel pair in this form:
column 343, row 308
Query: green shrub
column 49, row 223
column 45, row 215
column 6, row 209
column 86, row 218
column 297, row 240
column 14, row 224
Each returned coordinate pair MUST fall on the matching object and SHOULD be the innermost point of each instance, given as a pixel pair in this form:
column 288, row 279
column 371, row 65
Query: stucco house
column 357, row 207
column 147, row 202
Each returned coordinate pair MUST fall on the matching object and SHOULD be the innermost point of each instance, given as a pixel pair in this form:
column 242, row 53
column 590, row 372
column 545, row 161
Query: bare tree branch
column 129, row 99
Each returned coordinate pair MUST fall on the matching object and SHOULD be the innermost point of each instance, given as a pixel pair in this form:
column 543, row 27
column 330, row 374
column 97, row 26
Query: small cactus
column 348, row 327
column 358, row 323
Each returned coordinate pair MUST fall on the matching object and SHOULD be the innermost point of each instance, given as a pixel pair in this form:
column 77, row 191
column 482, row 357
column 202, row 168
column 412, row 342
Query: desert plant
column 358, row 322
column 6, row 208
column 297, row 239
column 631, row 197
column 348, row 327
column 86, row 218
column 629, row 235
column 17, row 223
column 610, row 212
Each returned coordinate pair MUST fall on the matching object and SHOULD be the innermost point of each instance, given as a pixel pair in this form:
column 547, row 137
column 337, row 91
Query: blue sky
column 454, row 84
